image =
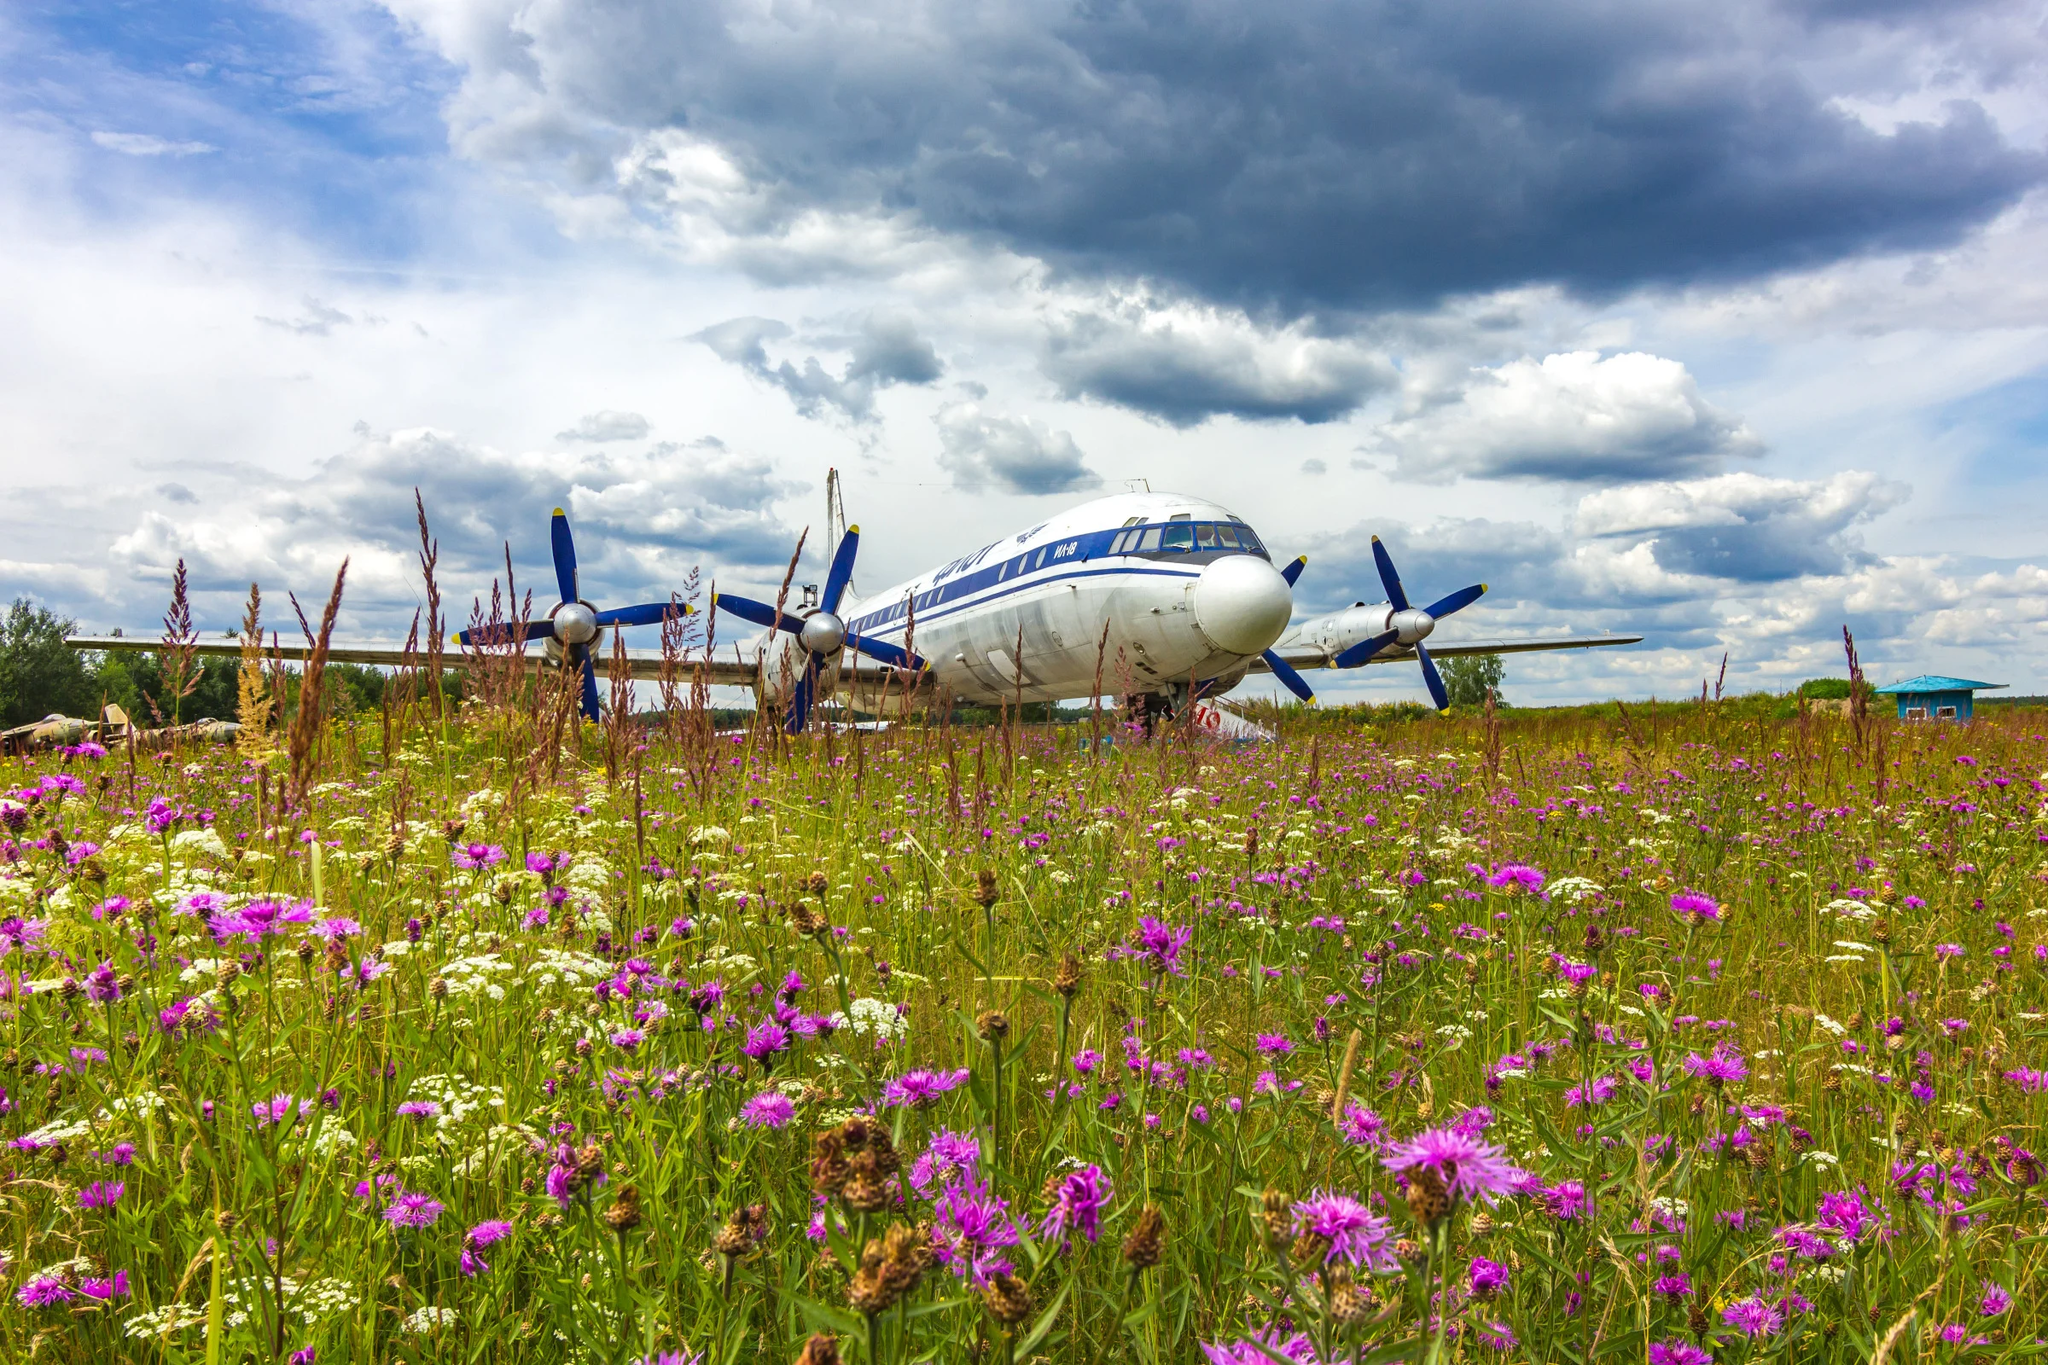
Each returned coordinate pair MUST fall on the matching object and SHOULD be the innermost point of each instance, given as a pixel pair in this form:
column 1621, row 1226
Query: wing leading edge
column 646, row 663
column 1311, row 656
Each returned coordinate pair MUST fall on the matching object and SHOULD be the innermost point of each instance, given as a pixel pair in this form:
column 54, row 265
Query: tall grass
column 520, row 1039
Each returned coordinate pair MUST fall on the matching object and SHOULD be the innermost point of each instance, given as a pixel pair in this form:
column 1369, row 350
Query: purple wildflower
column 1719, row 1068
column 972, row 1224
column 419, row 1109
column 1673, row 1287
column 1357, row 1236
column 106, row 1290
column 764, row 1040
column 1261, row 1350
column 769, row 1109
column 945, row 1158
column 1486, row 1279
column 1077, row 1201
column 1701, row 909
column 43, row 1291
column 1679, row 1353
column 1162, row 943
column 1516, row 878
column 101, row 1194
column 1470, row 1167
column 1754, row 1316
column 477, row 857
column 921, row 1089
column 102, row 986
column 411, row 1209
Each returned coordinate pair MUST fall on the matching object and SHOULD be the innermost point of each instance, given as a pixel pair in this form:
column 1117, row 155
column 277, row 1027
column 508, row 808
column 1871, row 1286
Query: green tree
column 1468, row 678
column 39, row 673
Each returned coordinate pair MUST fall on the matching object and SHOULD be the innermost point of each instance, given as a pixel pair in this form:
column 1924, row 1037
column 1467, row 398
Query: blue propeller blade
column 893, row 655
column 498, row 635
column 758, row 613
column 1457, row 601
column 841, row 572
column 646, row 614
column 1292, row 573
column 1289, row 679
column 1430, row 676
column 565, row 555
column 799, row 713
column 1363, row 651
column 589, row 686
column 1390, row 580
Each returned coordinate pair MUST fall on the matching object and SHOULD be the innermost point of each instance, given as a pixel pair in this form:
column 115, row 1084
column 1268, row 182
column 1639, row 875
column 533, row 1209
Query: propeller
column 574, row 623
column 821, row 633
column 1281, row 669
column 1408, row 626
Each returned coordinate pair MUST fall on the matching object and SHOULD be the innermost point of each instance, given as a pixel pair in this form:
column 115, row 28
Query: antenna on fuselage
column 1131, row 485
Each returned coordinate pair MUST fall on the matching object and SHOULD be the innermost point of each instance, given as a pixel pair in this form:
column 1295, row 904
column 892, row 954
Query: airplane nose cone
column 1242, row 604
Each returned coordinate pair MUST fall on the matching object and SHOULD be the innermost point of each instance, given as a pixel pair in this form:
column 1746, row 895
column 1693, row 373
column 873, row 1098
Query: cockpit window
column 1185, row 536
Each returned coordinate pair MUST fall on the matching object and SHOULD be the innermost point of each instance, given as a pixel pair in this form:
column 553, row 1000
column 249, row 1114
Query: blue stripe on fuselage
column 941, row 612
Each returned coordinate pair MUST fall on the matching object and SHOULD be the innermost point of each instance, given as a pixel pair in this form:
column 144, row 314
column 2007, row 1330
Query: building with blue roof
column 1934, row 697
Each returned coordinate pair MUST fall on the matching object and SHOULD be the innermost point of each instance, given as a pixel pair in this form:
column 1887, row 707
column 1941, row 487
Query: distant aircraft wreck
column 113, row 727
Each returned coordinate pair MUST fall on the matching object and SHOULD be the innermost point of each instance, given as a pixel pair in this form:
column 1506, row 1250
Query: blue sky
column 1720, row 323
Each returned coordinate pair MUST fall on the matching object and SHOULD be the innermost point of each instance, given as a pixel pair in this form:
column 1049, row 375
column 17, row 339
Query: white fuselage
column 1124, row 588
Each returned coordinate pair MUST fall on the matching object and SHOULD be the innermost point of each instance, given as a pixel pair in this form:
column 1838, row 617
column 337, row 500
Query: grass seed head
column 1147, row 1241
column 1008, row 1299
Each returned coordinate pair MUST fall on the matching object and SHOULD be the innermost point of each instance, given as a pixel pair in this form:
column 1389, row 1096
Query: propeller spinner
column 822, row 633
column 574, row 624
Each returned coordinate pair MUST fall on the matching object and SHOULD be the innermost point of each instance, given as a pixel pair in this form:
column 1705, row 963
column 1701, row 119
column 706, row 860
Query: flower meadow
column 1503, row 1038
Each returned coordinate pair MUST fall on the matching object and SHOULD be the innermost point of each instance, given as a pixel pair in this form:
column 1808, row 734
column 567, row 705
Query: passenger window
column 1151, row 541
column 1205, row 536
column 1228, row 535
column 1180, row 536
column 1041, row 560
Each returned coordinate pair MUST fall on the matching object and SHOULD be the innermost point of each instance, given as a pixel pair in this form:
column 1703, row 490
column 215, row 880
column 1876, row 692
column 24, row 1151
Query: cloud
column 641, row 522
column 1744, row 527
column 1307, row 158
column 1014, row 454
column 607, row 426
column 1572, row 416
column 145, row 144
column 176, row 492
column 886, row 350
column 1185, row 365
column 317, row 319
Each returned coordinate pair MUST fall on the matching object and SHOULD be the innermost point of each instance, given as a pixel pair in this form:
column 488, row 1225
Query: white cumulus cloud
column 1572, row 416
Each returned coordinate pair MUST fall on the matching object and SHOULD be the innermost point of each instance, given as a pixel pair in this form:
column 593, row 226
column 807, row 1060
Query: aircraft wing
column 1313, row 656
column 646, row 663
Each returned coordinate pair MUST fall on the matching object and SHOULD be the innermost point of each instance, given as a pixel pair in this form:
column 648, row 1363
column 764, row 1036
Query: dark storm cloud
column 1184, row 377
column 1309, row 157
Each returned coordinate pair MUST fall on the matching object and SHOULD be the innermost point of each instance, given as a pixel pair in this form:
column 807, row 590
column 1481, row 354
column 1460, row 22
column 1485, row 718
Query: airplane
column 1161, row 598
